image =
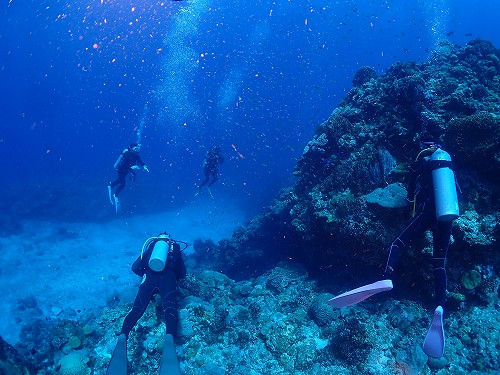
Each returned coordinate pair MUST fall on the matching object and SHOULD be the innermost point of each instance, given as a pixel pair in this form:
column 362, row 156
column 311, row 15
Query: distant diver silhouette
column 128, row 162
column 210, row 167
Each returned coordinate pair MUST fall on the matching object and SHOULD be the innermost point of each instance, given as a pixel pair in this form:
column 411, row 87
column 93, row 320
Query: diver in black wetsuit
column 432, row 190
column 128, row 162
column 210, row 166
column 161, row 266
column 421, row 195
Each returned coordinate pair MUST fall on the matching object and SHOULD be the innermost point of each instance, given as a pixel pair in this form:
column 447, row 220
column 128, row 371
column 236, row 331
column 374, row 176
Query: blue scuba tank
column 445, row 189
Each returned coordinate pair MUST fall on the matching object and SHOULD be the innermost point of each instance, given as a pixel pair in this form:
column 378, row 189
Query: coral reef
column 277, row 323
column 348, row 201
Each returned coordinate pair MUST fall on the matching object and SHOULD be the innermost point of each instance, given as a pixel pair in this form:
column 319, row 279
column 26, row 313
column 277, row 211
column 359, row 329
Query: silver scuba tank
column 445, row 189
column 159, row 254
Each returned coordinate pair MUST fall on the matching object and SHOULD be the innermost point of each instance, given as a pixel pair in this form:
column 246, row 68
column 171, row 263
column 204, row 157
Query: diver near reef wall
column 128, row 162
column 432, row 190
column 161, row 266
column 210, row 167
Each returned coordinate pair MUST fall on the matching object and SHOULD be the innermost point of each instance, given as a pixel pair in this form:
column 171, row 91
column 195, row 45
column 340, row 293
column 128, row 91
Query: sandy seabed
column 67, row 268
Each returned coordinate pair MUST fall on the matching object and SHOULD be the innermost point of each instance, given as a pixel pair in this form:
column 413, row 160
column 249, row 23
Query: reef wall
column 347, row 202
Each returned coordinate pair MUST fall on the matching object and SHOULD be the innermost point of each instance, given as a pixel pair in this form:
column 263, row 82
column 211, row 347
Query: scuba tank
column 118, row 161
column 159, row 254
column 445, row 189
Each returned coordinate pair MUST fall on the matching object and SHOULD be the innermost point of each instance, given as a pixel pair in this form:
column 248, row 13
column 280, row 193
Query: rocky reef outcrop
column 277, row 323
column 11, row 362
column 347, row 202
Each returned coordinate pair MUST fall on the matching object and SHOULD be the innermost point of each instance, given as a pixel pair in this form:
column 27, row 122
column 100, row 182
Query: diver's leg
column 121, row 183
column 140, row 304
column 419, row 223
column 214, row 178
column 349, row 298
column 170, row 316
column 118, row 364
column 434, row 342
column 205, row 181
column 114, row 183
column 441, row 242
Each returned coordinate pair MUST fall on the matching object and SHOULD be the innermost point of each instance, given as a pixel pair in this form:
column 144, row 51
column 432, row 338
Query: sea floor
column 65, row 268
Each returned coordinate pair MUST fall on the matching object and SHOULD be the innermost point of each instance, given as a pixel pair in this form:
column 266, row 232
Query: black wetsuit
column 163, row 283
column 127, row 160
column 421, row 192
column 212, row 161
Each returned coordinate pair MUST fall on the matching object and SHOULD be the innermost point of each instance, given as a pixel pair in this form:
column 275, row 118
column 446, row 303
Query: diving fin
column 434, row 342
column 169, row 363
column 359, row 294
column 110, row 196
column 117, row 204
column 118, row 364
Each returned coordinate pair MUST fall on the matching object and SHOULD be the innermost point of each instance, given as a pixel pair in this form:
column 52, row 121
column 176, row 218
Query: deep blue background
column 78, row 78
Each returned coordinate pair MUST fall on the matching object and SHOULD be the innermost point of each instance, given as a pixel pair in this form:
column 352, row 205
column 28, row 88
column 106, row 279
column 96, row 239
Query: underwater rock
column 11, row 362
column 392, row 196
column 321, row 312
column 88, row 329
column 27, row 303
column 74, row 342
column 75, row 363
column 470, row 279
column 363, row 75
column 477, row 230
column 436, row 364
column 350, row 342
column 413, row 360
column 488, row 290
column 473, row 137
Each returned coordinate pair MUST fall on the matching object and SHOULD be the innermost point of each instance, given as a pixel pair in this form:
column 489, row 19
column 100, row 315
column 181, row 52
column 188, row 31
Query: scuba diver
column 432, row 190
column 161, row 266
column 128, row 162
column 210, row 167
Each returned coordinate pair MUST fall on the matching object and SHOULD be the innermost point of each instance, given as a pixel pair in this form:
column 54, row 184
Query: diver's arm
column 137, row 267
column 140, row 265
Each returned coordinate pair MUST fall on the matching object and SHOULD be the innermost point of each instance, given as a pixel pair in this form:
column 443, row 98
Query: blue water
column 80, row 80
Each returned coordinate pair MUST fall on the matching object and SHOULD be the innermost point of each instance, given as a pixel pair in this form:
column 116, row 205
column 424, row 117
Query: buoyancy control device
column 445, row 189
